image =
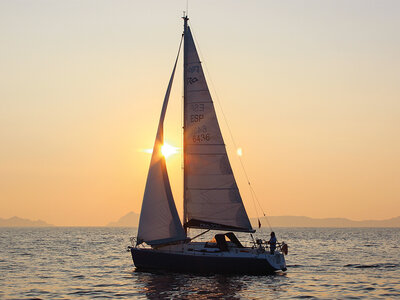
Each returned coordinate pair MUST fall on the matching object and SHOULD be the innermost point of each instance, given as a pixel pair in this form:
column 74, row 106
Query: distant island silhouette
column 20, row 222
column 132, row 220
column 301, row 221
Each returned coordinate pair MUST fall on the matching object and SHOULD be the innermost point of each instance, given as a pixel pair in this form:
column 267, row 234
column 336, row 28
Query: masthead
column 185, row 20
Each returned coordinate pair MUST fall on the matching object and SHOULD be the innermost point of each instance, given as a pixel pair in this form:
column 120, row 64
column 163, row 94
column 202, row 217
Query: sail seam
column 212, row 189
column 205, row 144
column 205, row 154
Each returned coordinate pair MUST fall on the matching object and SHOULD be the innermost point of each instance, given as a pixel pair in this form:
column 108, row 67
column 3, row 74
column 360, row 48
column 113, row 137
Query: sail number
column 200, row 133
column 198, row 107
column 204, row 137
column 200, row 129
column 196, row 118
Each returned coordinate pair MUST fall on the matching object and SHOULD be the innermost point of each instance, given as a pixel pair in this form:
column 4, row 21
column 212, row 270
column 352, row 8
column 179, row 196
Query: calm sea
column 88, row 263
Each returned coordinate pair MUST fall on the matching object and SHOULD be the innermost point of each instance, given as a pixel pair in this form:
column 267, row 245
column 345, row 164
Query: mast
column 185, row 21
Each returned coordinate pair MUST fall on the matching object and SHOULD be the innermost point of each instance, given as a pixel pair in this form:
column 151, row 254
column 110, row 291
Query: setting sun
column 167, row 150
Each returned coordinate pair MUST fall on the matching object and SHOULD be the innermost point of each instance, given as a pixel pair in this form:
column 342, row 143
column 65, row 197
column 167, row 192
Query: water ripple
column 89, row 263
column 377, row 266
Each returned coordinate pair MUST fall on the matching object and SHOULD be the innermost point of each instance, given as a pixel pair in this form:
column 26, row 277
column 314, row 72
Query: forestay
column 159, row 220
column 212, row 199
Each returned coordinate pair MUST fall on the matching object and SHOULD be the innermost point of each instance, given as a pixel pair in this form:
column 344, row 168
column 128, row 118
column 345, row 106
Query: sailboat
column 212, row 200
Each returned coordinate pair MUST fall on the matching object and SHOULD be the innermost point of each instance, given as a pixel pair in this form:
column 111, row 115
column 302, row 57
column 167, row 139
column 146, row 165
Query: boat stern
column 277, row 261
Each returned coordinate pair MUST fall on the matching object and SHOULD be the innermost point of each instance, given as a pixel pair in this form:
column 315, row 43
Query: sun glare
column 167, row 150
column 239, row 152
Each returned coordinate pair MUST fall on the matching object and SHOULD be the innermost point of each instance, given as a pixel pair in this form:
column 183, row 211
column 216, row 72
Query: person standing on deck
column 272, row 243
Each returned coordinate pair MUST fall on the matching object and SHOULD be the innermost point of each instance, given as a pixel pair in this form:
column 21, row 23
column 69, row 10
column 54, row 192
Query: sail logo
column 192, row 80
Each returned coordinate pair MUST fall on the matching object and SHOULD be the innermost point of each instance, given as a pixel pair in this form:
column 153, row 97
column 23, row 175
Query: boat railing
column 133, row 240
column 259, row 244
column 263, row 245
column 134, row 244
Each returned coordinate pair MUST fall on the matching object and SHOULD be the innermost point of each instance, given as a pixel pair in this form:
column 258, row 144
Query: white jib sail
column 212, row 198
column 159, row 220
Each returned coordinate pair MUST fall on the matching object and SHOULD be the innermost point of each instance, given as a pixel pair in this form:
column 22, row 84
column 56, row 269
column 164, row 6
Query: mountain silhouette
column 132, row 220
column 20, row 222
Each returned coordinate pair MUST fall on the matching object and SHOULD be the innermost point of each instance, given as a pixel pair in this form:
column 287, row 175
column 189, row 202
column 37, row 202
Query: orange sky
column 311, row 91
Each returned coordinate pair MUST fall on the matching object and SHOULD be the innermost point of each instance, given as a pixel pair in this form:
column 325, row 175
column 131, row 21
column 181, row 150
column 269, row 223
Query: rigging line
column 265, row 216
column 252, row 192
column 259, row 204
column 183, row 134
column 182, row 143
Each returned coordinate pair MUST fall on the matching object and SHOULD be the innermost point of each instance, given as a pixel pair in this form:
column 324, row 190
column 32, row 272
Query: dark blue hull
column 147, row 259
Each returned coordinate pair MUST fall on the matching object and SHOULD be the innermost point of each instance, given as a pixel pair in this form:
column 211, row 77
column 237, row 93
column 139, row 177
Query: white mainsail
column 159, row 220
column 211, row 196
